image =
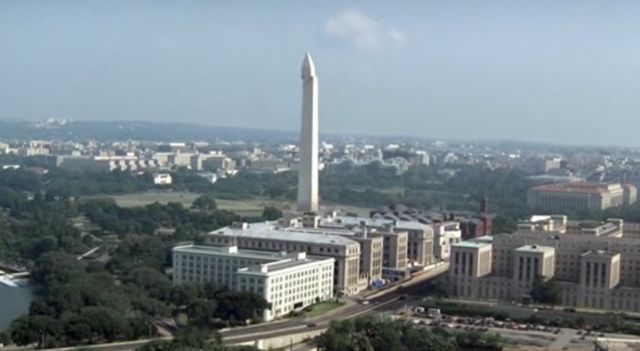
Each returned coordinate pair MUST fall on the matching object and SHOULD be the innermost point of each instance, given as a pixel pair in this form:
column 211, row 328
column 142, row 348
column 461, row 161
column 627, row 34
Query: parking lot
column 514, row 334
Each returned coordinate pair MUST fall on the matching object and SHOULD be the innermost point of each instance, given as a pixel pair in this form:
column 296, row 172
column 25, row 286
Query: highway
column 391, row 299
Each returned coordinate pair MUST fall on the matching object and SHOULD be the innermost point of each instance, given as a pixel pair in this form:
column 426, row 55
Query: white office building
column 287, row 281
column 162, row 179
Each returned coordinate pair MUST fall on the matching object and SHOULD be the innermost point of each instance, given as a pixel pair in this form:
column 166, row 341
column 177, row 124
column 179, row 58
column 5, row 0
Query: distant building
column 210, row 177
column 215, row 161
column 414, row 238
column 272, row 237
column 471, row 224
column 538, row 165
column 446, row 234
column 103, row 163
column 288, row 282
column 595, row 264
column 162, row 179
column 268, row 165
column 580, row 196
column 422, row 158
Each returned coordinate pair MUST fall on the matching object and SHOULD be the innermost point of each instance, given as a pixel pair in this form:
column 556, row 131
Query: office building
column 288, row 282
column 419, row 242
column 580, row 196
column 270, row 236
column 595, row 264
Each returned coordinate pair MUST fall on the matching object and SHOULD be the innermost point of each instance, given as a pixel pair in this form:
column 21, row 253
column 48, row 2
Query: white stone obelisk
column 308, row 172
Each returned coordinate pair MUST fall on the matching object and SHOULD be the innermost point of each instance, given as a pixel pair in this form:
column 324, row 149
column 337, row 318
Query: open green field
column 322, row 308
column 248, row 207
column 143, row 199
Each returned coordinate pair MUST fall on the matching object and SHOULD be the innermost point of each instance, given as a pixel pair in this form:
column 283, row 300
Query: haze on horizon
column 545, row 71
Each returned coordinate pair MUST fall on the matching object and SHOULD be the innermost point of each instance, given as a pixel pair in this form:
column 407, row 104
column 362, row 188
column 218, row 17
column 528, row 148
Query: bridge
column 9, row 273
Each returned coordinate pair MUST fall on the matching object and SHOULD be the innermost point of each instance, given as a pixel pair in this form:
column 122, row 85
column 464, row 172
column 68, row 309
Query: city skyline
column 542, row 72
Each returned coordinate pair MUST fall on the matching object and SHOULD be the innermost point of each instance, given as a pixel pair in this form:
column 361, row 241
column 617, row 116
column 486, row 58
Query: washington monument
column 308, row 172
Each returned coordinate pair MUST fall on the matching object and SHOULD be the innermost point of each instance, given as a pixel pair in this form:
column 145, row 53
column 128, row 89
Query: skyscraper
column 308, row 172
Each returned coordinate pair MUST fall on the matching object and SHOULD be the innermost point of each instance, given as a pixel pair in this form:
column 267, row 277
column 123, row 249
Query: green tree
column 545, row 291
column 271, row 213
column 440, row 286
column 202, row 311
column 55, row 268
column 241, row 306
column 139, row 250
column 205, row 203
column 155, row 283
column 22, row 332
column 185, row 294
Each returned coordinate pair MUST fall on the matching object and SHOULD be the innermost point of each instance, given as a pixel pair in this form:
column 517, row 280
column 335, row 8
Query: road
column 390, row 300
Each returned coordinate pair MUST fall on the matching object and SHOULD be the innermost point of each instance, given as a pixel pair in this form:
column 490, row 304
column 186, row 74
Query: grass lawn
column 323, row 307
column 146, row 198
column 246, row 207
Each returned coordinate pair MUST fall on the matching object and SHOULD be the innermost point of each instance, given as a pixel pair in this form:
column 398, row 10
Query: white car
column 365, row 302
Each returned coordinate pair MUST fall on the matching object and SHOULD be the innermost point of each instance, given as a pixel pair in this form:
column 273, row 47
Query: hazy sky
column 562, row 71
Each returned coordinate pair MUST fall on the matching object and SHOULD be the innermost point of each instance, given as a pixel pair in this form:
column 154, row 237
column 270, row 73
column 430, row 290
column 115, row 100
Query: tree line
column 382, row 334
column 120, row 295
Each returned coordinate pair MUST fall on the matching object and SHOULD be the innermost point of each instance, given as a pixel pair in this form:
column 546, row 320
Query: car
column 365, row 302
column 311, row 325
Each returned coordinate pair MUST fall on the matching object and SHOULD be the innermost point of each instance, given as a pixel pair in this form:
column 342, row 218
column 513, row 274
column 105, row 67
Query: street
column 388, row 300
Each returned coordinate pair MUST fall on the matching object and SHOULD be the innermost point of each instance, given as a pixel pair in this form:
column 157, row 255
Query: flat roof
column 483, row 239
column 412, row 225
column 399, row 224
column 471, row 244
column 274, row 232
column 600, row 253
column 536, row 248
column 274, row 261
column 283, row 264
column 225, row 250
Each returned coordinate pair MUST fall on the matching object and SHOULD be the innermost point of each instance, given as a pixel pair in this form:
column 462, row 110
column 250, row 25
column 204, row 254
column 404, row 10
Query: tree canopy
column 545, row 291
column 382, row 334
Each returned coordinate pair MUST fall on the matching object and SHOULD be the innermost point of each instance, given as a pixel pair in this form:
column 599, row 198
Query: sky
column 546, row 71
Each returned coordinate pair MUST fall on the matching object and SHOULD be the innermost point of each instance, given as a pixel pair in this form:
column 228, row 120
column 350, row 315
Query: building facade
column 580, row 196
column 288, row 282
column 271, row 237
column 594, row 267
